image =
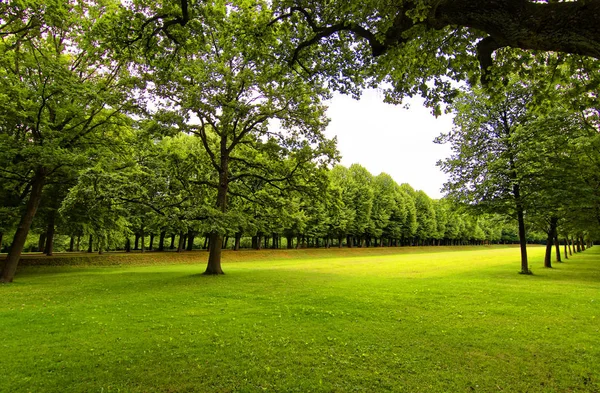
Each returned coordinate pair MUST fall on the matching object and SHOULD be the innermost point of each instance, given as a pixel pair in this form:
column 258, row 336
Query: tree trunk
column 48, row 250
column 143, row 239
column 205, row 245
column 550, row 242
column 566, row 253
column 557, row 247
column 1, row 236
column 214, row 255
column 128, row 245
column 172, row 246
column 151, row 245
column 161, row 241
column 213, row 266
column 181, row 240
column 42, row 242
column 184, row 244
column 238, row 241
column 577, row 245
column 136, row 244
column 290, row 242
column 582, row 243
column 71, row 243
column 522, row 233
column 90, row 244
column 14, row 255
column 190, row 243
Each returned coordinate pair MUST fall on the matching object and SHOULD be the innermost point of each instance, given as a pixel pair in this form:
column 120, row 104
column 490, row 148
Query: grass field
column 410, row 320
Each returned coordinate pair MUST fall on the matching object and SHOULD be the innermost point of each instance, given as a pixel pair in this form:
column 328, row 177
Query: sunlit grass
column 359, row 320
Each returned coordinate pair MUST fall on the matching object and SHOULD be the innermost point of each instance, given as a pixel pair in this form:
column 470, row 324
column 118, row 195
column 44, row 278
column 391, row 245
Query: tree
column 486, row 168
column 61, row 93
column 228, row 90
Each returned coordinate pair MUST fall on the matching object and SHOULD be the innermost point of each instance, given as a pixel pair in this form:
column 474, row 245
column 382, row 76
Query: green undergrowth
column 418, row 320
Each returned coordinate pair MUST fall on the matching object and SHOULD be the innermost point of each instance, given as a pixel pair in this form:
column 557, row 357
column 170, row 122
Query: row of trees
column 528, row 148
column 89, row 89
column 155, row 192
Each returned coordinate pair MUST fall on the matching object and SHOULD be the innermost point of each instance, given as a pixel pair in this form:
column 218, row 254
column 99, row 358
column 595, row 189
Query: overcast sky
column 391, row 139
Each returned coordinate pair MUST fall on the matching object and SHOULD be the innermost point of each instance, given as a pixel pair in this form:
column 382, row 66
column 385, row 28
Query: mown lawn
column 433, row 320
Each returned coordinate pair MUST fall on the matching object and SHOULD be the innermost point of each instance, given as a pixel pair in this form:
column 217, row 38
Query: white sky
column 391, row 139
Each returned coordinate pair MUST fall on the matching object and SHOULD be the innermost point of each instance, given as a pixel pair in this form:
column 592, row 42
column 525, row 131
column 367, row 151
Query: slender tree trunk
column 42, row 242
column 151, row 245
column 205, row 245
column 522, row 233
column 566, row 253
column 180, row 243
column 90, row 244
column 161, row 241
column 1, row 237
column 238, row 241
column 48, row 250
column 136, row 244
column 550, row 242
column 143, row 240
column 14, row 255
column 582, row 243
column 290, row 242
column 571, row 248
column 557, row 247
column 71, row 243
column 225, row 241
column 190, row 243
column 172, row 246
column 128, row 245
column 577, row 245
column 184, row 244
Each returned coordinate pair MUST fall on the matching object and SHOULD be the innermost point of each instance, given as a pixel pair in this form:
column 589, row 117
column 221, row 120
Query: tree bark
column 151, row 244
column 161, row 241
column 90, row 244
column 128, row 245
column 35, row 196
column 557, row 247
column 172, row 246
column 190, row 243
column 48, row 250
column 522, row 233
column 238, row 241
column 72, row 243
column 181, row 240
column 143, row 240
column 42, row 242
column 213, row 266
column 550, row 242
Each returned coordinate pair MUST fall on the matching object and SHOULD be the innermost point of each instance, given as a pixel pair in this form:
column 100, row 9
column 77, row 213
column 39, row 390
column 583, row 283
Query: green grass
column 426, row 320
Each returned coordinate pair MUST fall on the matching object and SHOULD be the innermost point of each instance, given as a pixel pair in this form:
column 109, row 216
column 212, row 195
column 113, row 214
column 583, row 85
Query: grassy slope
column 461, row 320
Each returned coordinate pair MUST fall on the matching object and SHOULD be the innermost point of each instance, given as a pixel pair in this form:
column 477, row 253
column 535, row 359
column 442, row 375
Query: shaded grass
column 457, row 320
